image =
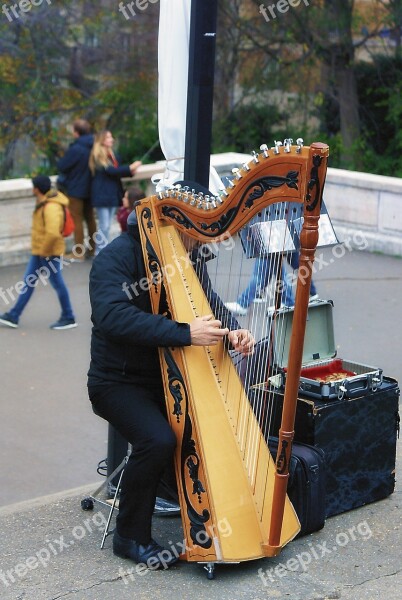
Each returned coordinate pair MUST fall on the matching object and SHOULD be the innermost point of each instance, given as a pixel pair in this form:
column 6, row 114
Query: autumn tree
column 71, row 59
column 309, row 52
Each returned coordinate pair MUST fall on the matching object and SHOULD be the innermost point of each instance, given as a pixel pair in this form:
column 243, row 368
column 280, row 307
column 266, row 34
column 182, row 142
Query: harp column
column 316, row 171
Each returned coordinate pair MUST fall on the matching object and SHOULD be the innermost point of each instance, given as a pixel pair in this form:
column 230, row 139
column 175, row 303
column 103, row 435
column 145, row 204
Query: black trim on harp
column 260, row 186
column 265, row 184
column 282, row 461
column 314, row 183
column 189, row 454
column 154, row 264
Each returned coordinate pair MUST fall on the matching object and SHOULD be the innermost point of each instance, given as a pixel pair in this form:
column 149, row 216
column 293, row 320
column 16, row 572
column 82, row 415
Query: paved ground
column 51, row 442
column 49, row 438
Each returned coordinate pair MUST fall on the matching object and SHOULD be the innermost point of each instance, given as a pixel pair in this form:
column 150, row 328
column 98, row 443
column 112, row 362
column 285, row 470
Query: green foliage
column 132, row 115
column 380, row 93
column 246, row 127
column 77, row 67
column 82, row 59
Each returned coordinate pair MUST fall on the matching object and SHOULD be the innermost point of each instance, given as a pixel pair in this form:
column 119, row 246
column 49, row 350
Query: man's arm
column 112, row 289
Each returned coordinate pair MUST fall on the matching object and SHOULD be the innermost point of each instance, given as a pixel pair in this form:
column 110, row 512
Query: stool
column 88, row 502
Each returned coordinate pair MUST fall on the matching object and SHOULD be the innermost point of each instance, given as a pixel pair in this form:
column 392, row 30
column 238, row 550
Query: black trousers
column 138, row 414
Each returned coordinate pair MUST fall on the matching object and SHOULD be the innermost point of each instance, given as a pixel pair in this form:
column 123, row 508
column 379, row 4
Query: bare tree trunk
column 349, row 114
column 341, row 56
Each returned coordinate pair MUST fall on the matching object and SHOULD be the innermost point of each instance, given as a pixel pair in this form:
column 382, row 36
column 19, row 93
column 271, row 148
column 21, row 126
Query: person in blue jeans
column 263, row 270
column 106, row 188
column 46, row 261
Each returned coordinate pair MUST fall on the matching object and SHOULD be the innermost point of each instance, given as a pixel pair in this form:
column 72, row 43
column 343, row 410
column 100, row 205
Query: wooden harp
column 233, row 496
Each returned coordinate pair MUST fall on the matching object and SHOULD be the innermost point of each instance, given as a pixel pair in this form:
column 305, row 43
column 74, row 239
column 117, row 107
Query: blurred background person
column 75, row 181
column 46, row 262
column 106, row 188
column 131, row 196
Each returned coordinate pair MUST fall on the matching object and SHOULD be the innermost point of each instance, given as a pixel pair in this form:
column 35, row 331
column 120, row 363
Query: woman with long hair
column 107, row 189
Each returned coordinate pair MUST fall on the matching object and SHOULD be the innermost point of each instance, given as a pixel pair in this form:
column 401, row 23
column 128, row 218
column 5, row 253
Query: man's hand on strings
column 242, row 341
column 207, row 331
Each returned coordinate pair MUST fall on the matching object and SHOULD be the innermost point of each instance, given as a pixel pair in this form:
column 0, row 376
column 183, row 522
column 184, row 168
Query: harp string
column 247, row 429
column 274, row 273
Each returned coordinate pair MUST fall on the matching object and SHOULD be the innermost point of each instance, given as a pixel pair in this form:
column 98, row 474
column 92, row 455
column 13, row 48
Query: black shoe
column 64, row 324
column 8, row 320
column 152, row 555
column 166, row 508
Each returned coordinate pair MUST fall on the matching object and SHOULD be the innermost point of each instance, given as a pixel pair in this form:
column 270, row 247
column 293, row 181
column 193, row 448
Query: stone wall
column 370, row 205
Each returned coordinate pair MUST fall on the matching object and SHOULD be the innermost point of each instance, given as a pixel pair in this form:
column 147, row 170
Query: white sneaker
column 236, row 309
column 271, row 309
column 313, row 298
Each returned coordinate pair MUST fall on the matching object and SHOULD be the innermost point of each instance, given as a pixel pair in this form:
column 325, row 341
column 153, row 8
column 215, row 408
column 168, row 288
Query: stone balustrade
column 370, row 205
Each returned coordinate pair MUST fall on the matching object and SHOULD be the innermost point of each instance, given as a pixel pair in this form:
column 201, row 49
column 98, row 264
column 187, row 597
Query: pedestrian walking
column 47, row 249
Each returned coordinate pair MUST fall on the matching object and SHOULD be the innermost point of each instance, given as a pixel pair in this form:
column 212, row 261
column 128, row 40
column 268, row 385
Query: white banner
column 173, row 58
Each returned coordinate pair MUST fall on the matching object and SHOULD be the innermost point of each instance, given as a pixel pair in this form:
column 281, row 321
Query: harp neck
column 289, row 174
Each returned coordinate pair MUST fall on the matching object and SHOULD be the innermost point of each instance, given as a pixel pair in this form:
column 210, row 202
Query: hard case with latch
column 323, row 375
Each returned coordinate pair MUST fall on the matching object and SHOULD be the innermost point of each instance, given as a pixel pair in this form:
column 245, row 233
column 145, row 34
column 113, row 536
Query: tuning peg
column 299, row 143
column 264, row 150
column 231, row 184
column 287, row 144
column 207, row 202
column 246, row 167
column 277, row 146
column 236, row 172
column 177, row 191
column 255, row 157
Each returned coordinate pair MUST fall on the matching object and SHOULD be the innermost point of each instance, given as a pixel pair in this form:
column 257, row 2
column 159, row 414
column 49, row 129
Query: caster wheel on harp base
column 210, row 569
column 87, row 504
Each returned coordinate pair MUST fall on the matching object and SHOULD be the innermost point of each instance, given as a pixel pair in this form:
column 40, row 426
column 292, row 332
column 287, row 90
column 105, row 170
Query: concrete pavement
column 50, row 442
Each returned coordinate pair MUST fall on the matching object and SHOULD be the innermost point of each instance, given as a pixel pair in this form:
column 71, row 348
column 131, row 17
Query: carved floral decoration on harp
column 258, row 187
column 314, row 183
column 190, row 459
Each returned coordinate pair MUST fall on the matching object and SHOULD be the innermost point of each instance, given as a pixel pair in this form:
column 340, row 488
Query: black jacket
column 106, row 188
column 125, row 334
column 75, row 176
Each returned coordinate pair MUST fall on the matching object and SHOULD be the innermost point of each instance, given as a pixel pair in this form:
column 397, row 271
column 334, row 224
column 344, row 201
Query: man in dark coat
column 125, row 383
column 75, row 181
